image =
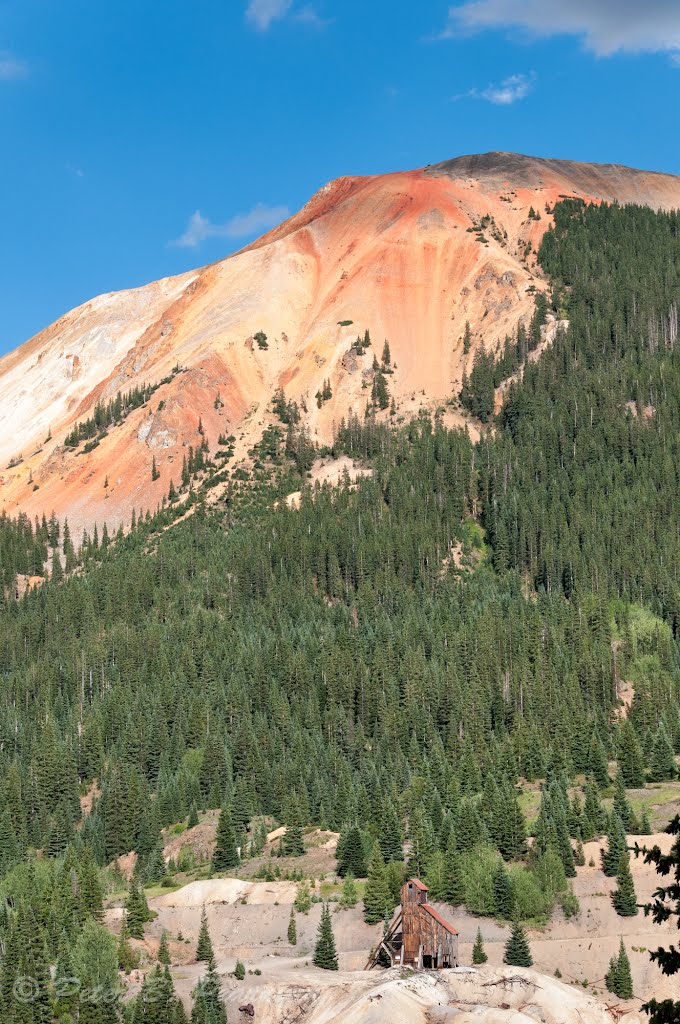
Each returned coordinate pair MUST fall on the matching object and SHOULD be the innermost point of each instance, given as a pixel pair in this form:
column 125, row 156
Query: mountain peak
column 412, row 256
column 609, row 182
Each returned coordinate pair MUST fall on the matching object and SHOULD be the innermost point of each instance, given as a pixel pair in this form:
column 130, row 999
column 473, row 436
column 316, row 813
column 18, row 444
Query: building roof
column 438, row 918
column 418, row 884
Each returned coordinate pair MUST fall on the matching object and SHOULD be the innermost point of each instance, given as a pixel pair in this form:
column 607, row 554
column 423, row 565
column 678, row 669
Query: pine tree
column 325, row 953
column 377, row 896
column 631, row 760
column 350, row 895
column 164, row 950
column 594, row 815
column 204, row 948
column 127, row 958
column 225, row 855
column 239, row 970
column 623, row 897
column 350, row 853
column 208, row 1006
column 618, row 979
column 454, row 890
column 391, row 838
column 622, row 806
column 478, row 952
column 193, row 815
column 292, row 842
column 598, row 765
column 386, row 355
column 616, row 846
column 504, row 896
column 292, row 928
column 517, row 950
column 137, row 910
column 662, row 761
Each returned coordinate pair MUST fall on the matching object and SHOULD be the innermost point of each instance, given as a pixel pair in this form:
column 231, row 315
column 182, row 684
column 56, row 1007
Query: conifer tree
column 225, row 855
column 350, row 894
column 292, row 842
column 618, row 979
column 598, row 765
column 616, row 846
column 454, row 890
column 391, row 838
column 377, row 896
column 622, row 806
column 517, row 950
column 137, row 910
column 208, row 1006
column 164, row 950
column 350, row 853
column 623, row 897
column 421, row 839
column 479, row 955
column 325, row 953
column 292, row 928
column 631, row 759
column 204, row 948
column 127, row 958
column 594, row 815
column 193, row 815
column 662, row 761
column 504, row 896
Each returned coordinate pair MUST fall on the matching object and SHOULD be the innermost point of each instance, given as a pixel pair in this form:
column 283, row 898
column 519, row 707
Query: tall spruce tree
column 325, row 952
column 623, row 897
column 618, row 979
column 226, row 855
column 204, row 948
column 517, row 949
column 479, row 955
column 377, row 896
column 616, row 846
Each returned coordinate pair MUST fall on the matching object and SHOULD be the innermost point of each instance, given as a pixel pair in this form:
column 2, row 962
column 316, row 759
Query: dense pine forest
column 389, row 660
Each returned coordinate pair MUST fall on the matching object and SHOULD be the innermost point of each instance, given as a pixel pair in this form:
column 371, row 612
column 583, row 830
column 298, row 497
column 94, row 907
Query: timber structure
column 418, row 936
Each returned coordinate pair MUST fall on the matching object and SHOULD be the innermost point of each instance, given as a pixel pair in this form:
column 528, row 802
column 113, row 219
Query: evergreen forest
column 387, row 661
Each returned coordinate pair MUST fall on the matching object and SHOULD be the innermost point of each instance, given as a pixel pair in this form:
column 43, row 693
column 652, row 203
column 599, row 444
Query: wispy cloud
column 261, row 13
column 260, row 218
column 11, row 67
column 503, row 94
column 77, row 172
column 308, row 16
column 606, row 26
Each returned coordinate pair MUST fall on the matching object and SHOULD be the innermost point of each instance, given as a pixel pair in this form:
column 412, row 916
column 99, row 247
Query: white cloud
column 261, row 13
column 606, row 26
column 260, row 218
column 503, row 94
column 308, row 16
column 510, row 90
column 11, row 67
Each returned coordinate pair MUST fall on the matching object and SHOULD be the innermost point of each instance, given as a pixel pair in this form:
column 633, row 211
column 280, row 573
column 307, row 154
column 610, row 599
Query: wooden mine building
column 419, row 936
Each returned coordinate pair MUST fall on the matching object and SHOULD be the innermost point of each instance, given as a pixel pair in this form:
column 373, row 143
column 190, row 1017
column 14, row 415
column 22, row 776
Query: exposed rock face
column 506, row 995
column 411, row 256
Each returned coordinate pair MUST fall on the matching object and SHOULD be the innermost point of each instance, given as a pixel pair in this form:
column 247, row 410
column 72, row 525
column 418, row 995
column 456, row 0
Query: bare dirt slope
column 249, row 921
column 401, row 254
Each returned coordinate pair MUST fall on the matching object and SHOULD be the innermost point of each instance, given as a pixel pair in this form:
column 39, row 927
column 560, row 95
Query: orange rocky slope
column 394, row 253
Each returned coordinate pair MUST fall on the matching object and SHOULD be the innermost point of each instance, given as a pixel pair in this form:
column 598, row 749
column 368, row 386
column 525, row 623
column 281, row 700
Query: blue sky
column 140, row 139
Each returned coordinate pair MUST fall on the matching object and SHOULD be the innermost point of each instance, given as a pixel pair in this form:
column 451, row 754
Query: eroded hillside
column 410, row 256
